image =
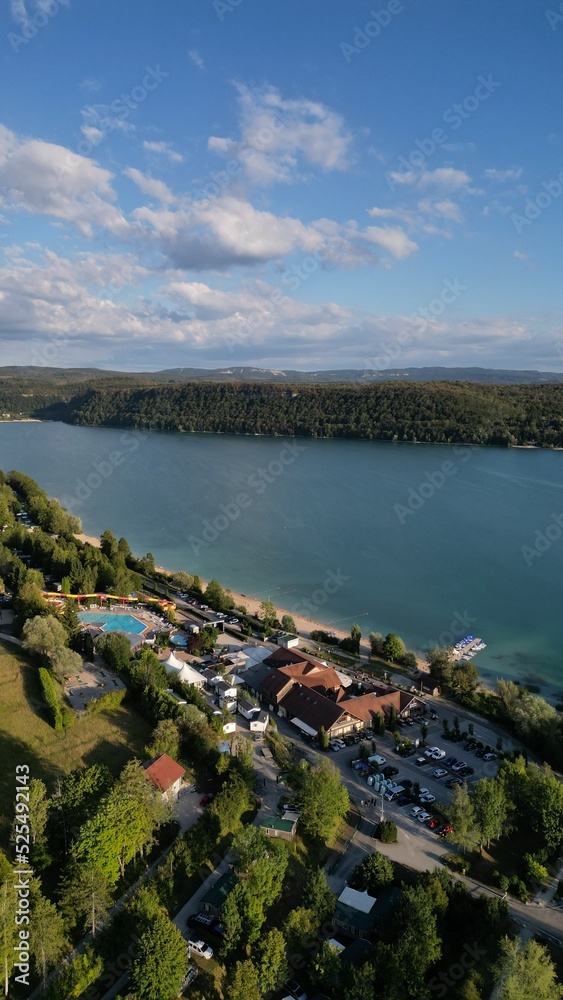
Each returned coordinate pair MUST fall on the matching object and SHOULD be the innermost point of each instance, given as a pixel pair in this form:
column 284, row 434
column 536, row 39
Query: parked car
column 403, row 800
column 453, row 781
column 470, row 746
column 200, row 948
column 427, row 798
column 423, row 816
column 377, row 759
column 458, row 765
column 192, row 973
column 490, row 756
column 444, row 829
column 206, row 799
column 450, row 761
column 439, row 772
column 201, row 919
column 390, row 772
column 295, row 989
column 432, row 823
column 416, row 810
column 466, row 771
column 421, row 762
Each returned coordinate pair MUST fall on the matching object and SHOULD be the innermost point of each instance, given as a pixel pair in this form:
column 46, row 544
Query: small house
column 357, row 913
column 287, row 641
column 248, row 709
column 166, row 775
column 259, row 723
column 215, row 897
column 273, row 826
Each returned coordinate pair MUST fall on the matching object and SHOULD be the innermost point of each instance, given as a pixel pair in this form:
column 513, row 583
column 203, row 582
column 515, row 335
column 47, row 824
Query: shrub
column 50, row 697
column 112, row 699
column 387, row 832
column 502, row 881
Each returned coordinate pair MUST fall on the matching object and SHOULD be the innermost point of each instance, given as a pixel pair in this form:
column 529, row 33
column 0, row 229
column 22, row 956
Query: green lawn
column 27, row 738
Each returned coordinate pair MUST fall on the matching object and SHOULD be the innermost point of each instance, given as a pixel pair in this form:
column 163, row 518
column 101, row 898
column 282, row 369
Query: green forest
column 438, row 412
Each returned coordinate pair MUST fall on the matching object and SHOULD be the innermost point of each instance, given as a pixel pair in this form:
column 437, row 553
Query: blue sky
column 288, row 184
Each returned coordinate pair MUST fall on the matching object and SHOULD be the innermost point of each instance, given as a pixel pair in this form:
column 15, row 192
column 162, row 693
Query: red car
column 206, row 799
column 444, row 829
column 432, row 823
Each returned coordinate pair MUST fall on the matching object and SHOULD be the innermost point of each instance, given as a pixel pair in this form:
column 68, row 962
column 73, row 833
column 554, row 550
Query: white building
column 186, row 673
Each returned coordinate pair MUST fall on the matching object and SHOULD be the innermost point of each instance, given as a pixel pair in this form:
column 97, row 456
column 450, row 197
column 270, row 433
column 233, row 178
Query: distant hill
column 490, row 376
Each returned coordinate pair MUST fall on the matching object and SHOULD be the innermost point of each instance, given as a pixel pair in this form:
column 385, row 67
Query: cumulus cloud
column 391, row 238
column 45, row 179
column 279, row 137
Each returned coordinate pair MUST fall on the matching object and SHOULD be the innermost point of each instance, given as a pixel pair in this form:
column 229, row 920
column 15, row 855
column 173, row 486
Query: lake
column 429, row 541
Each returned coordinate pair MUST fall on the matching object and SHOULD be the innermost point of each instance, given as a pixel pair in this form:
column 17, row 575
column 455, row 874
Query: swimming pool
column 112, row 623
column 178, row 640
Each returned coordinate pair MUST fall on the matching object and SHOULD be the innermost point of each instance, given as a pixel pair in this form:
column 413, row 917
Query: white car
column 427, row 798
column 438, row 754
column 423, row 816
column 439, row 772
column 416, row 810
column 377, row 759
column 200, row 948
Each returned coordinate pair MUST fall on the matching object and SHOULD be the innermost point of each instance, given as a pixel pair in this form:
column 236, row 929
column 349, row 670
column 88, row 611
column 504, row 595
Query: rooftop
column 275, row 823
column 162, row 771
column 218, row 893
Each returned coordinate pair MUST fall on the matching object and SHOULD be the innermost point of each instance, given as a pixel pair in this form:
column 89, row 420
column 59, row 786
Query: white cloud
column 196, row 58
column 446, row 177
column 150, row 186
column 512, row 174
column 106, row 118
column 520, row 256
column 45, row 179
column 391, row 238
column 278, row 135
column 19, row 13
column 163, row 149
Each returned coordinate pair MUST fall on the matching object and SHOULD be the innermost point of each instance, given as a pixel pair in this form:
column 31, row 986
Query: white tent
column 184, row 671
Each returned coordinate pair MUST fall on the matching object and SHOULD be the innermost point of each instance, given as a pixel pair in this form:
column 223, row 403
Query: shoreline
column 303, row 624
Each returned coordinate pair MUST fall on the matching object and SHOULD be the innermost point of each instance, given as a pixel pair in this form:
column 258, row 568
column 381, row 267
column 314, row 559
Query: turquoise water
column 329, row 528
column 112, row 623
column 178, row 640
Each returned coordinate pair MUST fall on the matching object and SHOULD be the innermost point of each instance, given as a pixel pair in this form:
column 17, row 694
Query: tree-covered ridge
column 436, row 412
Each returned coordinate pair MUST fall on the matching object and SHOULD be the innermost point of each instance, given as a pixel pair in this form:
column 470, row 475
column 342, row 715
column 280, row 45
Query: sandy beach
column 304, row 625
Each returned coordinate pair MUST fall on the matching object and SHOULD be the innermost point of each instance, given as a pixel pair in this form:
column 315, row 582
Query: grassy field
column 27, row 738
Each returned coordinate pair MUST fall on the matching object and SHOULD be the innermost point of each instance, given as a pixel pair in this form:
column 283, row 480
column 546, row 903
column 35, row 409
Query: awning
column 304, row 727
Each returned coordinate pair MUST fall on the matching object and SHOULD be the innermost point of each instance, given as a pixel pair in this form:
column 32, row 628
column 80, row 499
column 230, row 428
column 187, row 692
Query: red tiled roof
column 162, row 771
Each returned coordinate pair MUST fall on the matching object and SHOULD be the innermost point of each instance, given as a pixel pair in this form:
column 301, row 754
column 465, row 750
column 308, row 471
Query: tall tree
column 86, row 894
column 288, row 624
column 323, row 798
column 270, row 960
column 161, row 963
column 64, row 663
column 243, row 982
column 490, row 807
column 165, row 738
column 316, row 894
column 419, row 944
column 393, row 647
column 8, row 928
column 527, row 972
column 372, row 874
column 47, row 939
column 268, row 613
column 43, row 634
column 462, row 816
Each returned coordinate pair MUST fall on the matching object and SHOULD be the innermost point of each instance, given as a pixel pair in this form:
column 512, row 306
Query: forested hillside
column 442, row 412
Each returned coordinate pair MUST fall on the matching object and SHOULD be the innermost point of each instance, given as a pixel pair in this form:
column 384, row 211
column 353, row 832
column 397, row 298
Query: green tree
column 323, row 738
column 86, row 895
column 324, row 799
column 490, row 808
column 270, row 960
column 393, row 647
column 299, row 924
column 8, row 927
column 316, row 894
column 372, row 874
column 462, row 817
column 47, row 939
column 43, row 634
column 64, row 663
column 376, row 644
column 326, row 967
column 440, row 665
column 268, row 614
column 216, row 597
column 465, row 678
column 161, row 963
column 418, row 945
column 243, row 982
column 527, row 972
column 109, row 546
column 115, row 650
column 165, row 738
column 288, row 624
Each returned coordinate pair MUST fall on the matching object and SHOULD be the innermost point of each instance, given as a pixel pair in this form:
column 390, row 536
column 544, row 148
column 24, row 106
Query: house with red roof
column 166, row 775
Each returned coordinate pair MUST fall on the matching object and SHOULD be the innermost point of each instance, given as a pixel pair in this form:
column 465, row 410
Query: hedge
column 112, row 699
column 50, row 697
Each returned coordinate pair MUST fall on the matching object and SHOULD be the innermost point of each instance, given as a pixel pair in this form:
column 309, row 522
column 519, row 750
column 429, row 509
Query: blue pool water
column 112, row 623
column 179, row 640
